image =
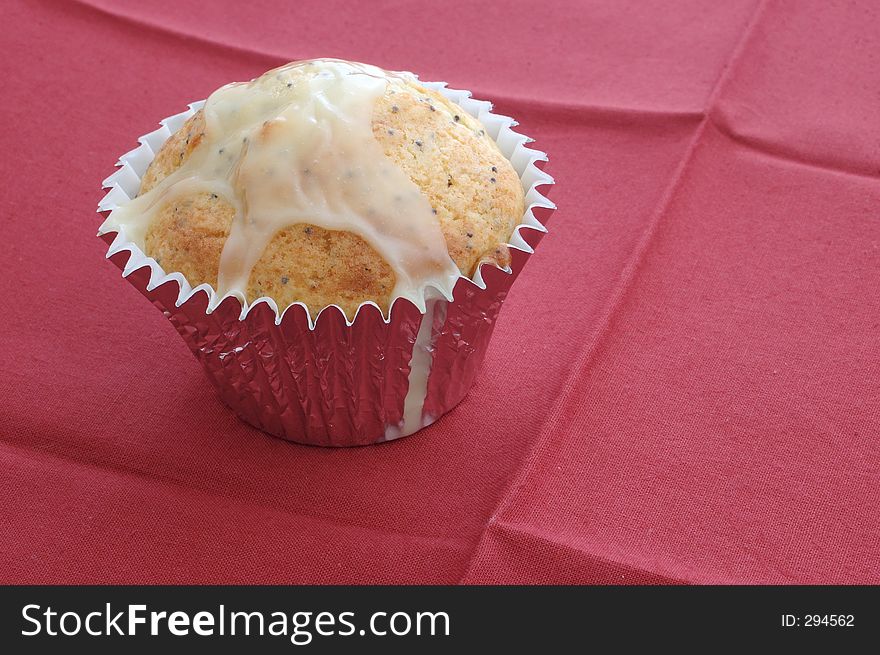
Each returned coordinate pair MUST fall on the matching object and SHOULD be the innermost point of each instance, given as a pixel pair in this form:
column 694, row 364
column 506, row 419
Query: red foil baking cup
column 327, row 380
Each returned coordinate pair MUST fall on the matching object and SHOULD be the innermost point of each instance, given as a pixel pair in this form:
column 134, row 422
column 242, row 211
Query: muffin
column 327, row 184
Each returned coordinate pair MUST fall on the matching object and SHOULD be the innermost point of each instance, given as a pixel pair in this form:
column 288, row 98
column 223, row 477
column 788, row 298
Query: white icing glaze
column 419, row 371
column 296, row 146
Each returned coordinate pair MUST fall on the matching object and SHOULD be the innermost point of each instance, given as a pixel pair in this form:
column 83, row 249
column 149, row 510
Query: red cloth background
column 682, row 387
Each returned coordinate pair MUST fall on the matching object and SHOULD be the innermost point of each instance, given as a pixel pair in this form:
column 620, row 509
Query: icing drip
column 419, row 372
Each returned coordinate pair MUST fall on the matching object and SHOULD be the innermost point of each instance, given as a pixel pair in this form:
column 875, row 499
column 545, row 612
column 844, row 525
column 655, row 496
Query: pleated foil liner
column 325, row 380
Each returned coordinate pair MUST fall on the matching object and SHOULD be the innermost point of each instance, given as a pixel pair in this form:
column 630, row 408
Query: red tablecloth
column 684, row 385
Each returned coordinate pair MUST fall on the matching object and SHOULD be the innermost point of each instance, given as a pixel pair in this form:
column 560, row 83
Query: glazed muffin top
column 326, row 182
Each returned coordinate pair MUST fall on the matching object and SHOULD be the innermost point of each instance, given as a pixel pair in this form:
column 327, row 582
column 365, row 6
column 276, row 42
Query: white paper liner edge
column 126, row 181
